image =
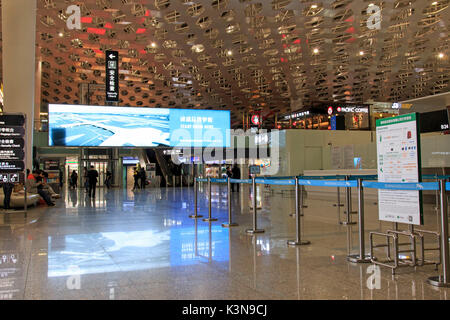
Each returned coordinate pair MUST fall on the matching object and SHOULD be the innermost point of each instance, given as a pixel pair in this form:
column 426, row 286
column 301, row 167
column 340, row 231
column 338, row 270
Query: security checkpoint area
column 225, row 158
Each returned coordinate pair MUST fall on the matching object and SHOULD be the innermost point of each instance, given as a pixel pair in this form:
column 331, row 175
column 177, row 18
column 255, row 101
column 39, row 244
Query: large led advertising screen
column 106, row 126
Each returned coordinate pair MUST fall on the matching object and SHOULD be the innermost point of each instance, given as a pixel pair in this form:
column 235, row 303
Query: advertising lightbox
column 107, row 126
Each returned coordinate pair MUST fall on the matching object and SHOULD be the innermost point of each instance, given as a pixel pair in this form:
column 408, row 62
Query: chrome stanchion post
column 174, row 181
column 195, row 216
column 361, row 257
column 209, row 219
column 167, row 181
column 348, row 200
column 255, row 229
column 230, row 223
column 443, row 280
column 298, row 209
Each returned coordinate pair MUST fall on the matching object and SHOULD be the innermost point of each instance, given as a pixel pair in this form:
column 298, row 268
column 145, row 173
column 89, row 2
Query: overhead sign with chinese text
column 398, row 154
column 112, row 76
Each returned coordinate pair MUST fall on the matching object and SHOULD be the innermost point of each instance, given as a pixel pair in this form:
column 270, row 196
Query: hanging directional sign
column 12, row 147
column 112, row 76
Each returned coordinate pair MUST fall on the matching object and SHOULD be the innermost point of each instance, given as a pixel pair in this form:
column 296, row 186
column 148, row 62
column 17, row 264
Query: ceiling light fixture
column 361, row 53
column 440, row 55
column 229, row 52
column 316, row 51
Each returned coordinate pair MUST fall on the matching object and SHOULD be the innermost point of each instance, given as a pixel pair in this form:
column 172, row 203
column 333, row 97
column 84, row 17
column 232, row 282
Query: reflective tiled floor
column 142, row 245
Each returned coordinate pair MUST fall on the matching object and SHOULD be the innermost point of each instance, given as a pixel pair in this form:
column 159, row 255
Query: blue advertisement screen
column 104, row 126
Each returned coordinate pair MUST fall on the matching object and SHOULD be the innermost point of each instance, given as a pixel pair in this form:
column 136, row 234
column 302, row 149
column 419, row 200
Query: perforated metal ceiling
column 243, row 54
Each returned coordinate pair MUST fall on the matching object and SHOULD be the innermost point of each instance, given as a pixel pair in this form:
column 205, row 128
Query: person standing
column 61, row 178
column 92, row 179
column 236, row 174
column 74, row 179
column 7, row 190
column 136, row 179
column 108, row 179
column 86, row 180
column 143, row 177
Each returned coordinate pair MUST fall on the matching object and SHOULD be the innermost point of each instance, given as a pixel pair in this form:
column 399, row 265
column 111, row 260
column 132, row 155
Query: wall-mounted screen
column 106, row 126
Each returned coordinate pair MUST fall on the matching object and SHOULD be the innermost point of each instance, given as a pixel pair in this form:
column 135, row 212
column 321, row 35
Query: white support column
column 19, row 52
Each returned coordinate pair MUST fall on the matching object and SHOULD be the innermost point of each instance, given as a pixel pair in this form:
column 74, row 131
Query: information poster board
column 12, row 147
column 398, row 154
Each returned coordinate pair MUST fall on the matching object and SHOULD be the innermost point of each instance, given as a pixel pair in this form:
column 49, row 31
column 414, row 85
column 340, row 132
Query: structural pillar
column 19, row 55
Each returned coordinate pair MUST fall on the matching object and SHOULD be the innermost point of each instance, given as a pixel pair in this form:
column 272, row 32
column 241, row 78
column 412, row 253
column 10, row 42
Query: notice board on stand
column 398, row 154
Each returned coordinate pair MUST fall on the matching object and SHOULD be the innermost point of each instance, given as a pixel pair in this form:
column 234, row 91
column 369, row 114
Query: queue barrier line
column 223, row 180
column 287, row 182
column 418, row 186
column 242, row 181
column 447, row 186
column 328, row 183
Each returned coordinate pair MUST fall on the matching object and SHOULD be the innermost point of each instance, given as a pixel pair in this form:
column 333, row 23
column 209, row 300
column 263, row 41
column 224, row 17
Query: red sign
column 255, row 120
column 330, row 110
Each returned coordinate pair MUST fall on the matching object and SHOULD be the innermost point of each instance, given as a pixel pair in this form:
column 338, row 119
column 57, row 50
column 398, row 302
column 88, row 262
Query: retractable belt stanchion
column 167, row 181
column 444, row 279
column 174, row 182
column 361, row 257
column 209, row 219
column 195, row 216
column 298, row 209
column 230, row 223
column 255, row 229
column 348, row 196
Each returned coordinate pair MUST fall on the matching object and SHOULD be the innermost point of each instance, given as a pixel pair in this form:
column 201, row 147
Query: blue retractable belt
column 401, row 186
column 276, row 182
column 328, row 183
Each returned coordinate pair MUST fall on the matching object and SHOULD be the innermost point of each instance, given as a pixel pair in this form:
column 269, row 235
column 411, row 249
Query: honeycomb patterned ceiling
column 272, row 56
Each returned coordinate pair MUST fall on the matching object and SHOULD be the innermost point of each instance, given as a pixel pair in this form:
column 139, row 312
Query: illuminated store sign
column 353, row 109
column 296, row 115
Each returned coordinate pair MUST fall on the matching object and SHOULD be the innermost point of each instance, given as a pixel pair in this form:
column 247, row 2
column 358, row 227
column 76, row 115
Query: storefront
column 325, row 116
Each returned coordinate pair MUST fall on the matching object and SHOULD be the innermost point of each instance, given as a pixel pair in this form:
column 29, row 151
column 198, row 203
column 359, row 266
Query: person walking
column 86, row 180
column 143, row 177
column 136, row 179
column 236, row 174
column 74, row 179
column 108, row 179
column 92, row 179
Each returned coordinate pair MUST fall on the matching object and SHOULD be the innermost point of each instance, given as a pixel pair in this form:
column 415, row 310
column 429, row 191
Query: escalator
column 162, row 168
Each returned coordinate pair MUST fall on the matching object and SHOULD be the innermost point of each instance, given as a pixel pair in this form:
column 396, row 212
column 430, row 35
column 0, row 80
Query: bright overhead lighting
column 61, row 34
column 440, row 55
column 153, row 44
column 229, row 52
column 434, row 3
column 314, row 6
column 361, row 53
column 316, row 50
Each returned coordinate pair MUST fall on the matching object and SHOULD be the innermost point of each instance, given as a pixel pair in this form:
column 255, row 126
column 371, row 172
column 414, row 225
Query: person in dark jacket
column 143, row 177
column 136, row 179
column 74, row 179
column 92, row 179
column 236, row 174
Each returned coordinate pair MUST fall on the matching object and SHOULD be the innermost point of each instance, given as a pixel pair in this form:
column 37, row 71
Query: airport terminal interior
column 224, row 150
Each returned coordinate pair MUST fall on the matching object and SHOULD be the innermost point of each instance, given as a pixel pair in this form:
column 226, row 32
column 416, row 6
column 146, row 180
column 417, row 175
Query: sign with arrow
column 112, row 76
